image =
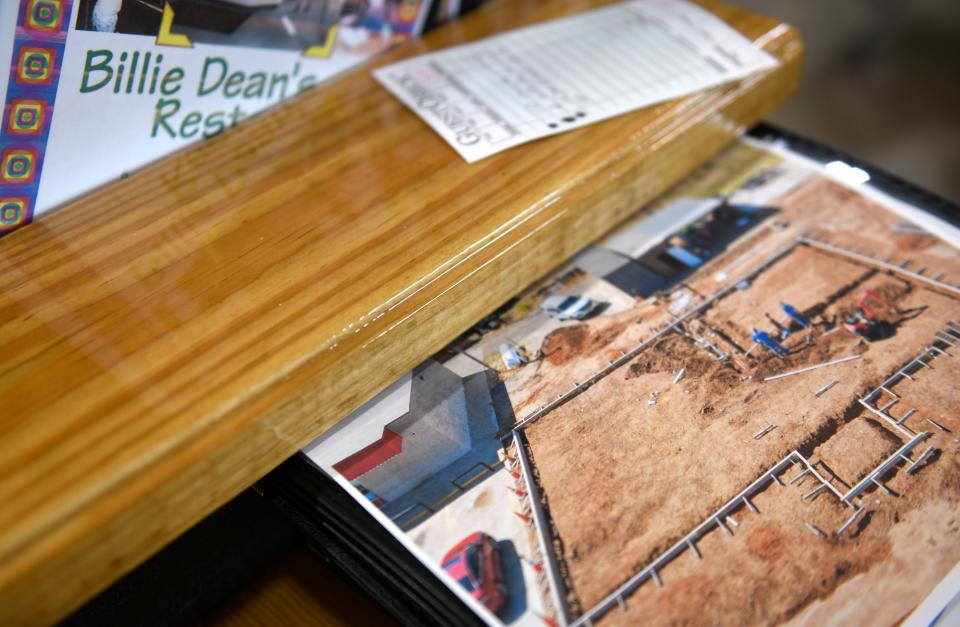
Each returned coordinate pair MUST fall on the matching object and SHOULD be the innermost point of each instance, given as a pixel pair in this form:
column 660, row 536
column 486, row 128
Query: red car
column 475, row 563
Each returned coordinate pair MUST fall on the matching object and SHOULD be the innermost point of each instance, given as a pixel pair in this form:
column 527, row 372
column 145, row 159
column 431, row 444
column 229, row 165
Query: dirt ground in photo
column 636, row 461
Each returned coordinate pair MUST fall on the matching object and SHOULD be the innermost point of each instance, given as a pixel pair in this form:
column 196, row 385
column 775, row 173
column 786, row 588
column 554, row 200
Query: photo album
column 740, row 407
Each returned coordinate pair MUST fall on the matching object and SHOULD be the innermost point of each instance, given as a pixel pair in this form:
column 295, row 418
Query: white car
column 567, row 307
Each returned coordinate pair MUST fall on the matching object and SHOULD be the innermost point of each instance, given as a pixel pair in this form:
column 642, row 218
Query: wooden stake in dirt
column 905, row 416
column 656, row 578
column 824, row 389
column 850, row 520
column 881, row 486
column 723, row 526
column 762, row 432
column 809, row 368
column 889, row 391
column 679, row 376
column 815, row 530
column 920, row 460
column 802, row 474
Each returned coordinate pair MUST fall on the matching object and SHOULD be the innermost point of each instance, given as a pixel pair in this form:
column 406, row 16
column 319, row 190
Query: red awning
column 366, row 459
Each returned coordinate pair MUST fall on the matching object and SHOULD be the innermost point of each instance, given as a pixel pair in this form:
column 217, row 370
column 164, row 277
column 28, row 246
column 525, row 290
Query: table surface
column 169, row 339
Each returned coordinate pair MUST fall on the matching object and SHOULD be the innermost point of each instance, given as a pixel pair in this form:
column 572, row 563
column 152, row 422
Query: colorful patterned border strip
column 38, row 47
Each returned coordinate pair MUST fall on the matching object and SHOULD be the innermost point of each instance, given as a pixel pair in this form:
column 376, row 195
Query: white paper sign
column 98, row 88
column 509, row 89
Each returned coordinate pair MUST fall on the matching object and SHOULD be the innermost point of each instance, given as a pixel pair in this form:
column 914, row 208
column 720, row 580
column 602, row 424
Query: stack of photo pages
column 740, row 407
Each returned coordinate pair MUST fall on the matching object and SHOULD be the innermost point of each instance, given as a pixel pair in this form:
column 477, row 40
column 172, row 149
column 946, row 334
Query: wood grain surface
column 169, row 339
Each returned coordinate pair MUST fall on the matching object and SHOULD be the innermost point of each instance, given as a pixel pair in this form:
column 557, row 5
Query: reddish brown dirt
column 664, row 466
column 605, row 337
column 624, row 478
column 831, row 210
column 767, row 542
column 775, row 570
column 857, row 448
column 806, row 278
column 570, row 343
column 884, row 296
column 564, row 344
column 671, row 353
column 834, row 346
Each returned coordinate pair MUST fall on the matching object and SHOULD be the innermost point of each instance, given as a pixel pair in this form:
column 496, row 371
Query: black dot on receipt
column 581, row 114
column 553, row 125
column 569, row 119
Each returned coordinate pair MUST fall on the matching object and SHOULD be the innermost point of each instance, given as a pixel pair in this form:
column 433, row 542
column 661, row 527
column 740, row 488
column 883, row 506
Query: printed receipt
column 506, row 90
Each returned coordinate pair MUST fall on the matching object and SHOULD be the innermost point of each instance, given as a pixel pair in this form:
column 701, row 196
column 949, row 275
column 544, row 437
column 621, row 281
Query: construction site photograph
column 739, row 408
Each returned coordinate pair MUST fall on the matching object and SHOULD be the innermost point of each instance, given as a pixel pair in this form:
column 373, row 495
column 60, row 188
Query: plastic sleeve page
column 506, row 90
column 639, row 417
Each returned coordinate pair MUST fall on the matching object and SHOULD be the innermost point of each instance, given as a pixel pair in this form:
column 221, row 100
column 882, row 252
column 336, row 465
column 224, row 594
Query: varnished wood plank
column 167, row 340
